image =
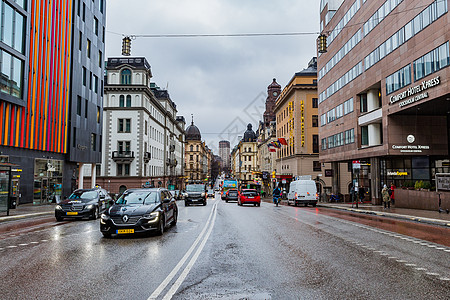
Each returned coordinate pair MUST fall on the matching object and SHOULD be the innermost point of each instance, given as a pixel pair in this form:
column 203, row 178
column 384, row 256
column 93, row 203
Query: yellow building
column 196, row 156
column 297, row 122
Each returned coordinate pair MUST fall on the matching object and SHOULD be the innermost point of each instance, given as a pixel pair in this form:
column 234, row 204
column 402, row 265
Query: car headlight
column 58, row 207
column 104, row 217
column 90, row 206
column 203, row 194
column 154, row 216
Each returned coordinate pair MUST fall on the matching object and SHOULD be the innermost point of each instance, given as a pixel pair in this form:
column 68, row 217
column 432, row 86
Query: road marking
column 23, row 244
column 34, row 242
column 177, row 268
column 11, row 247
column 188, row 268
column 421, row 269
column 432, row 274
column 445, row 278
column 2, row 248
column 410, row 265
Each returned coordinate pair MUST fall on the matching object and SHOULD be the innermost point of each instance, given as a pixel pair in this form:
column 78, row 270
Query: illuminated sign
column 397, row 173
column 302, row 123
column 413, row 91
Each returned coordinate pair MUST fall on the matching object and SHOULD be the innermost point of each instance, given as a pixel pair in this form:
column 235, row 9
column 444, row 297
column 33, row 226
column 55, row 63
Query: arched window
column 197, row 147
column 122, row 101
column 192, row 148
column 128, row 101
column 125, row 76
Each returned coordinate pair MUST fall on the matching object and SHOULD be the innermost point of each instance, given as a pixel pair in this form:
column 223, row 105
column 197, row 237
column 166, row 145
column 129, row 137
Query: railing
column 123, row 155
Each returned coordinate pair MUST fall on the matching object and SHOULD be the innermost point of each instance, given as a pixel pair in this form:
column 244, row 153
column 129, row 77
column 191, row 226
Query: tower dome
column 249, row 135
column 193, row 133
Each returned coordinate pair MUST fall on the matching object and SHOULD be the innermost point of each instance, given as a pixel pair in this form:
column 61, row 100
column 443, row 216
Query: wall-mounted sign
column 328, row 173
column 397, row 173
column 410, row 138
column 413, row 91
column 302, row 123
column 410, row 148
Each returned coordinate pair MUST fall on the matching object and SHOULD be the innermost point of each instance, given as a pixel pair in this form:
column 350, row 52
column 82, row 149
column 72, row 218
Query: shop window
column 317, row 166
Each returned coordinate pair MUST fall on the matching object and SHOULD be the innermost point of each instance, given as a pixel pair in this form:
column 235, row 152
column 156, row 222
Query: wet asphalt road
column 224, row 251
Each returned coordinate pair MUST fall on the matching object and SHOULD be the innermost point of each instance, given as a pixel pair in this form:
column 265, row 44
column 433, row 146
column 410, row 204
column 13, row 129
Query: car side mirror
column 111, row 202
column 166, row 200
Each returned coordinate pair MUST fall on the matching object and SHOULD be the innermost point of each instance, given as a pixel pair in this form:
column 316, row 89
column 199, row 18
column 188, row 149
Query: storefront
column 48, row 180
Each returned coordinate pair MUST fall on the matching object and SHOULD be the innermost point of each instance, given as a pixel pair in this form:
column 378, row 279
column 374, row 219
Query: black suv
column 232, row 195
column 194, row 194
column 139, row 211
column 83, row 203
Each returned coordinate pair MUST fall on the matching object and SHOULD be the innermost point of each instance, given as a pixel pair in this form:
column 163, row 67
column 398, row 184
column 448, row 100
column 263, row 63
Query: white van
column 302, row 192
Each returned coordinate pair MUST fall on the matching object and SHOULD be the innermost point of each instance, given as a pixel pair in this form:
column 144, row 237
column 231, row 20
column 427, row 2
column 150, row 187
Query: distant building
column 244, row 157
column 224, row 153
column 197, row 156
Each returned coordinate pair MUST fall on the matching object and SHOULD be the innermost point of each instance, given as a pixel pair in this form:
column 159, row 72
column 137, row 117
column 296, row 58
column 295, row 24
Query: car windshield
column 143, row 197
column 83, row 195
column 195, row 188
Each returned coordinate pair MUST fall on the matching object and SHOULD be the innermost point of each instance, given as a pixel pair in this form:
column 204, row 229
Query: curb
column 391, row 215
column 19, row 217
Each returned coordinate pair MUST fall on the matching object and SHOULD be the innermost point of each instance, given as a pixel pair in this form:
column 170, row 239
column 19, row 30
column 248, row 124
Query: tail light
column 295, row 195
column 317, row 196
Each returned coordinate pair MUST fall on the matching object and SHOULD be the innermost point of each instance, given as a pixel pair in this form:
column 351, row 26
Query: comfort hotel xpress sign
column 415, row 93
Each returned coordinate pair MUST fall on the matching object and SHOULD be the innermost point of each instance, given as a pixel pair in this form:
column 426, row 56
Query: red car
column 249, row 196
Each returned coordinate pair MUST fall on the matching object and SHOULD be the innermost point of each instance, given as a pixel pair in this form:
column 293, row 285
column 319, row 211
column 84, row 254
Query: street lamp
column 322, row 43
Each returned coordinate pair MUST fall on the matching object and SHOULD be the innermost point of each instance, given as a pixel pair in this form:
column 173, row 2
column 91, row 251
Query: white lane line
column 194, row 258
column 432, row 274
column 447, row 250
column 2, row 248
column 34, row 242
column 23, row 244
column 410, row 265
column 421, row 269
column 10, row 247
column 177, row 268
column 445, row 278
column 44, row 240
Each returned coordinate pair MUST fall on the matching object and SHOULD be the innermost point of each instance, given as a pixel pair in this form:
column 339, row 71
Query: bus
column 227, row 185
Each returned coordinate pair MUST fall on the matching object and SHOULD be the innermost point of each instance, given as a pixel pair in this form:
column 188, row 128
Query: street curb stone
column 25, row 216
column 390, row 215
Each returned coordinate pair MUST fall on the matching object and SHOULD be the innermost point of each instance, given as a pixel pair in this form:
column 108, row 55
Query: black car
column 83, row 203
column 138, row 211
column 195, row 194
column 232, row 195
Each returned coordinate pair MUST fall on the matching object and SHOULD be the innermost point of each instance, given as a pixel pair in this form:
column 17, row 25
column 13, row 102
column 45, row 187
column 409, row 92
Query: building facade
column 383, row 90
column 51, row 93
column 266, row 156
column 244, row 158
column 197, row 156
column 143, row 138
column 297, row 122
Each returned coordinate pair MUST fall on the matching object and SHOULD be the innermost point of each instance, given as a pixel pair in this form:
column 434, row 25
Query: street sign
column 356, row 164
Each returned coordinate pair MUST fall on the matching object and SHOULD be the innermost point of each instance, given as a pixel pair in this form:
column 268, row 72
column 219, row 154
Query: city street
column 224, row 251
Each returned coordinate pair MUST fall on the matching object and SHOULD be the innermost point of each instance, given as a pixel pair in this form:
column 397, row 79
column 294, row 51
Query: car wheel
column 186, row 204
column 59, row 219
column 226, row 201
column 288, row 203
column 160, row 230
column 306, row 204
column 314, row 204
column 254, row 204
column 106, row 235
column 95, row 214
column 175, row 218
column 204, row 203
column 259, row 204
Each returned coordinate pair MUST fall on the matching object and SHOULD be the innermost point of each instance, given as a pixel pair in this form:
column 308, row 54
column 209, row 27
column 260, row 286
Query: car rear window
column 250, row 194
column 232, row 192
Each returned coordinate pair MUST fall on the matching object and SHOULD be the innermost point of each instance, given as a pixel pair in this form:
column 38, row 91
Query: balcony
column 123, row 156
column 147, row 157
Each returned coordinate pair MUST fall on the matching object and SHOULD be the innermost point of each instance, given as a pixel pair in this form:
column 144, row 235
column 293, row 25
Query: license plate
column 72, row 213
column 251, row 197
column 124, row 231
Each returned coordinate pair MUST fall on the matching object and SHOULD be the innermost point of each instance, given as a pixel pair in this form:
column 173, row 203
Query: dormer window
column 125, row 76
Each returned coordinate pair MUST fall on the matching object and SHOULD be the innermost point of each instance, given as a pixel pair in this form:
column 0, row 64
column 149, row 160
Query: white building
column 143, row 138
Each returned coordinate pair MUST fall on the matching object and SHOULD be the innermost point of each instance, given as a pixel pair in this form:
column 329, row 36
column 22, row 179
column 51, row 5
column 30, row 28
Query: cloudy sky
column 221, row 80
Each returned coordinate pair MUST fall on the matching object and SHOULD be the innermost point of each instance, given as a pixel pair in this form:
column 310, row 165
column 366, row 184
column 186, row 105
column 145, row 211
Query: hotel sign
column 415, row 93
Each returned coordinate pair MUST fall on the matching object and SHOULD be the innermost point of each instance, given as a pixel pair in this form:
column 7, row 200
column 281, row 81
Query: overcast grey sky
column 221, row 80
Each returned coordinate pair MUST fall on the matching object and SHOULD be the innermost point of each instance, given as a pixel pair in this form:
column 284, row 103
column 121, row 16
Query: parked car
column 302, row 192
column 140, row 211
column 211, row 193
column 249, row 196
column 232, row 195
column 195, row 194
column 83, row 203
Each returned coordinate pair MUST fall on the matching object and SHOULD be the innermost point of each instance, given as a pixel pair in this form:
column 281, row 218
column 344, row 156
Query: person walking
column 386, row 198
column 391, row 193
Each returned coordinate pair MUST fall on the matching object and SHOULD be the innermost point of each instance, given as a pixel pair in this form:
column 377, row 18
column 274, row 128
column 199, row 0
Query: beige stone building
column 297, row 121
column 196, row 156
column 244, row 158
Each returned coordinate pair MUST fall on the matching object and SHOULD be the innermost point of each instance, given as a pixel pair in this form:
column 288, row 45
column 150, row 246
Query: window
column 191, row 157
column 86, row 105
column 78, row 7
column 197, row 147
column 79, row 105
column 123, row 146
column 88, row 48
column 348, row 106
column 98, row 114
column 432, row 61
column 125, row 76
column 363, row 103
column 315, row 143
column 80, row 41
column 146, row 125
column 84, row 12
column 364, row 136
column 315, row 121
column 315, row 102
column 398, row 80
column 339, row 111
column 349, row 136
column 121, row 101
column 323, row 120
column 96, row 26
column 84, row 76
column 316, row 166
column 100, row 59
column 128, row 101
column 90, row 80
column 124, row 125
column 123, row 169
column 100, row 5
column 93, row 141
column 324, row 144
column 192, row 148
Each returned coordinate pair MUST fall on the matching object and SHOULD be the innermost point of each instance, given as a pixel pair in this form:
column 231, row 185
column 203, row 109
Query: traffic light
column 126, row 46
column 322, row 43
column 273, row 174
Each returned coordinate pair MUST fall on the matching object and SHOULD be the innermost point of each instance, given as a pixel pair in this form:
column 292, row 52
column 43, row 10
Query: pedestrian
column 386, row 198
column 391, row 193
column 361, row 194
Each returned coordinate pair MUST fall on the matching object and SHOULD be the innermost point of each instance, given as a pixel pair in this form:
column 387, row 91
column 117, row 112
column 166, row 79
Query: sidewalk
column 28, row 211
column 417, row 215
